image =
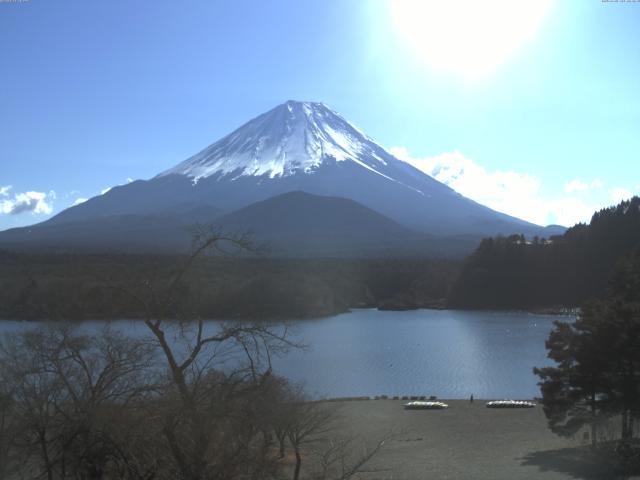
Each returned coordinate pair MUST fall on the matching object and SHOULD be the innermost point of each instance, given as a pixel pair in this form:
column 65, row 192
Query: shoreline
column 413, row 398
column 554, row 311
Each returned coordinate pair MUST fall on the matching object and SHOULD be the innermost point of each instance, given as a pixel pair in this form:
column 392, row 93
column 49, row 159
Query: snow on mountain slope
column 295, row 137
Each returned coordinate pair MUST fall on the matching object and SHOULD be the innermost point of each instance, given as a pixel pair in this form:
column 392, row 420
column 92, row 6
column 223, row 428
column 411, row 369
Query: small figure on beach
column 471, row 398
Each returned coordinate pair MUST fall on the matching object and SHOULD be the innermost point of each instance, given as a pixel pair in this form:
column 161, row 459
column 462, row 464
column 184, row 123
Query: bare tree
column 344, row 457
column 89, row 407
column 308, row 423
column 311, row 431
column 212, row 368
column 7, row 428
column 61, row 384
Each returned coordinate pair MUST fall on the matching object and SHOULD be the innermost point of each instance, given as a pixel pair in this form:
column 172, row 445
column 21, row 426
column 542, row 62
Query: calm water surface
column 448, row 353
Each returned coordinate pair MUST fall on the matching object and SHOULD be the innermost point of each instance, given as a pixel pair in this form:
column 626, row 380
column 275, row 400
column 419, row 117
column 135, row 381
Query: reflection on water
column 451, row 354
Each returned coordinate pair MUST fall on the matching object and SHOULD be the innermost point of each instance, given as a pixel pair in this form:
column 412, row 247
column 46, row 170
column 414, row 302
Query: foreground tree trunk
column 296, row 472
column 45, row 456
column 594, row 431
column 626, row 428
column 281, row 435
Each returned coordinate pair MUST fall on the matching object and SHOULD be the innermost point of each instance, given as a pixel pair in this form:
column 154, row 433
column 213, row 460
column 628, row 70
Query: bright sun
column 468, row 37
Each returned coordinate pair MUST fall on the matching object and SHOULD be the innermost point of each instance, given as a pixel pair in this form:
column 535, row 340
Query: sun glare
column 468, row 37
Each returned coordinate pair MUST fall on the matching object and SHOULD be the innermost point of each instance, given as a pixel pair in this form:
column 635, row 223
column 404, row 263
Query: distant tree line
column 503, row 273
column 566, row 270
column 76, row 287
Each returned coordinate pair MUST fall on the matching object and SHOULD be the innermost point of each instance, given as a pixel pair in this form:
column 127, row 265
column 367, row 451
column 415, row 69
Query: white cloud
column 569, row 210
column 514, row 193
column 4, row 191
column 578, row 185
column 34, row 202
column 78, row 201
column 472, row 180
column 619, row 194
column 575, row 186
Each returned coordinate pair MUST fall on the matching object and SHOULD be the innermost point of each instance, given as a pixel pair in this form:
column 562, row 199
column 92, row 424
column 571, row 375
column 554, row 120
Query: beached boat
column 510, row 404
column 425, row 405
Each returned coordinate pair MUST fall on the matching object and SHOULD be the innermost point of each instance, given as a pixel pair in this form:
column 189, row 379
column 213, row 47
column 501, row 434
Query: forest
column 75, row 287
column 512, row 272
column 563, row 271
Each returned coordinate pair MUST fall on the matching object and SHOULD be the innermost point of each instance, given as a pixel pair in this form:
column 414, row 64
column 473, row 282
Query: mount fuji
column 299, row 147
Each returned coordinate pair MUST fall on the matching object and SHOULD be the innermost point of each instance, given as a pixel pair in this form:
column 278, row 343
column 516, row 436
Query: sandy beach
column 468, row 441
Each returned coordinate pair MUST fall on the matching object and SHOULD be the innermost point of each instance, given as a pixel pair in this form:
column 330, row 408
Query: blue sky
column 96, row 93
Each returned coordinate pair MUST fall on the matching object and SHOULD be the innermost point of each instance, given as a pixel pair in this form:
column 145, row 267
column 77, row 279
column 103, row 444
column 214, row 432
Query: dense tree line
column 596, row 380
column 503, row 272
column 566, row 270
column 66, row 286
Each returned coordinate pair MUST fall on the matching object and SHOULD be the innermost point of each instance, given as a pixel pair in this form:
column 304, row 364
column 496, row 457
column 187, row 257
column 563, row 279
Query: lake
column 447, row 353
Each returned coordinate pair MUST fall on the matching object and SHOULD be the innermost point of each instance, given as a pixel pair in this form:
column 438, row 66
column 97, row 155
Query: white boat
column 510, row 404
column 425, row 405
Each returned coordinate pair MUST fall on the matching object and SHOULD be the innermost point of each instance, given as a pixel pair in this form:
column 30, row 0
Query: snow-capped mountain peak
column 295, row 137
column 296, row 147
